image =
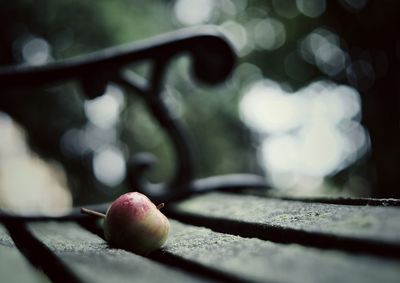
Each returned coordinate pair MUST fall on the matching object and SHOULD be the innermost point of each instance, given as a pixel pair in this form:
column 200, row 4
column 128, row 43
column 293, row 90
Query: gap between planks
column 275, row 194
column 31, row 247
column 330, row 226
column 169, row 259
column 215, row 256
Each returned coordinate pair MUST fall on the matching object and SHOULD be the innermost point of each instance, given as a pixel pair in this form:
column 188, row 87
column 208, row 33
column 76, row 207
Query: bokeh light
column 238, row 36
column 36, row 51
column 314, row 132
column 104, row 110
column 109, row 166
column 303, row 128
column 192, row 12
column 269, row 34
column 29, row 184
column 285, row 8
column 322, row 48
column 311, row 8
column 267, row 108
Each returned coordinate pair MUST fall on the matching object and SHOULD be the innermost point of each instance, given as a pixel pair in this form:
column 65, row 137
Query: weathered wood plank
column 14, row 268
column 378, row 223
column 5, row 239
column 89, row 256
column 256, row 260
column 372, row 229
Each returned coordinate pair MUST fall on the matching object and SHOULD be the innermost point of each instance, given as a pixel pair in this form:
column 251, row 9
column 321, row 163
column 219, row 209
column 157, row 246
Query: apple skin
column 134, row 223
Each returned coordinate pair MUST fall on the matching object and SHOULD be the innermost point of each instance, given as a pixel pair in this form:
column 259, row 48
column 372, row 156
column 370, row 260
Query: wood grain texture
column 14, row 268
column 365, row 229
column 200, row 254
column 90, row 258
column 255, row 260
column 362, row 222
column 5, row 239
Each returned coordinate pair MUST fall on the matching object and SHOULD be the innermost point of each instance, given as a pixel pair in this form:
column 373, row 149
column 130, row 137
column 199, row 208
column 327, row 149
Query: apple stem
column 92, row 213
column 161, row 205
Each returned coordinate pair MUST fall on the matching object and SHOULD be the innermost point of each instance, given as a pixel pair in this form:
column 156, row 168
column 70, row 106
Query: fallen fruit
column 134, row 223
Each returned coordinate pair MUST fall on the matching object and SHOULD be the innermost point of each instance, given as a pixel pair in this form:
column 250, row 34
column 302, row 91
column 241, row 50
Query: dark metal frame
column 213, row 60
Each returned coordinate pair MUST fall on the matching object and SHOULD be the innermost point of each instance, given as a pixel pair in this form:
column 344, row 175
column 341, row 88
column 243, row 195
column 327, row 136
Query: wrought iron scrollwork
column 213, row 60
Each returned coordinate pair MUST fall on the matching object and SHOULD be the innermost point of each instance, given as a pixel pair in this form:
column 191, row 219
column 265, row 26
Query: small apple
column 134, row 223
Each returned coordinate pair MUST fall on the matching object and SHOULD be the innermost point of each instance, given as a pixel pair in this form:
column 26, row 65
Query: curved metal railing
column 213, row 59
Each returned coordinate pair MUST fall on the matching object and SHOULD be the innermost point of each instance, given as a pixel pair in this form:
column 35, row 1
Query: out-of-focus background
column 312, row 104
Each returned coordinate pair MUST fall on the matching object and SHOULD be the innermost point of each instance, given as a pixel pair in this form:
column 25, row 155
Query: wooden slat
column 192, row 250
column 364, row 222
column 255, row 260
column 90, row 258
column 371, row 229
column 14, row 268
column 5, row 239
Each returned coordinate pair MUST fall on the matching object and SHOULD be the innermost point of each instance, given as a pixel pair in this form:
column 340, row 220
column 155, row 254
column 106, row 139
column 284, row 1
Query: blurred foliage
column 222, row 144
